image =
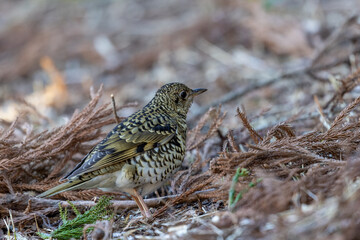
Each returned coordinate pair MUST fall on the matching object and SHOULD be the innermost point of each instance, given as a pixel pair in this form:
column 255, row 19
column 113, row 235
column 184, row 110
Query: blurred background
column 53, row 52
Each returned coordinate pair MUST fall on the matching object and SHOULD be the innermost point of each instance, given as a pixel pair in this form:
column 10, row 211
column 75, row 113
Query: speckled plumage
column 141, row 152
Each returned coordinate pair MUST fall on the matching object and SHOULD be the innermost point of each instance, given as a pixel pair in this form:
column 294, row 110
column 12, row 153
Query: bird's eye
column 183, row 94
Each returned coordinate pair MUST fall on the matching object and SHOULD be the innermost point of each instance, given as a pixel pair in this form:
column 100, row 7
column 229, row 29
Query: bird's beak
column 198, row 91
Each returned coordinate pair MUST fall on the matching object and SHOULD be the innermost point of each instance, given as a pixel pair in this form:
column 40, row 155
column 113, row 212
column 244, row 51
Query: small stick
column 8, row 199
column 114, row 109
column 323, row 119
column 152, row 202
column 52, row 205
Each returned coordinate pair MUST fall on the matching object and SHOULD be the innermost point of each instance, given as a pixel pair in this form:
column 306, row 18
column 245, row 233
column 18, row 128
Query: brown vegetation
column 296, row 129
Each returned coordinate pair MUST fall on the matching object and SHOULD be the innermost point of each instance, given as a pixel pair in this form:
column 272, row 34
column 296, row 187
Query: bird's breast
column 155, row 165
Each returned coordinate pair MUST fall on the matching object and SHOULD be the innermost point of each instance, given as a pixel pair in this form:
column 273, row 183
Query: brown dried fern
column 31, row 156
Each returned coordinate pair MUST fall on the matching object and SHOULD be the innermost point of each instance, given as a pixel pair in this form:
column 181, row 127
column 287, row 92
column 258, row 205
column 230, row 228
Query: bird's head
column 176, row 97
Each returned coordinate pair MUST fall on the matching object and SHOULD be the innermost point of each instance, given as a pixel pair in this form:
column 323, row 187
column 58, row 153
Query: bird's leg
column 141, row 204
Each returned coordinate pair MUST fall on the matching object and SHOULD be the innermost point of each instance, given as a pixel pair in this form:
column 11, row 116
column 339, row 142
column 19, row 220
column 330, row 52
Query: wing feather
column 124, row 142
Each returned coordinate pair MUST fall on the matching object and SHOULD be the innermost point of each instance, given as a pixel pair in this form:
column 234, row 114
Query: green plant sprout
column 243, row 172
column 74, row 228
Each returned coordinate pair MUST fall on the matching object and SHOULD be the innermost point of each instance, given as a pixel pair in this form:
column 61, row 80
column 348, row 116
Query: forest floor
column 281, row 113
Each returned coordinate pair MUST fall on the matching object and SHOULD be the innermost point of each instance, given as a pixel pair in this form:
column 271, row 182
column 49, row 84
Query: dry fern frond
column 253, row 134
column 30, row 156
column 280, row 131
column 340, row 117
column 232, row 143
column 195, row 137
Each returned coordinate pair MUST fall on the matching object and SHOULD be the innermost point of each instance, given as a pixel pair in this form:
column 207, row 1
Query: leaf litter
column 299, row 168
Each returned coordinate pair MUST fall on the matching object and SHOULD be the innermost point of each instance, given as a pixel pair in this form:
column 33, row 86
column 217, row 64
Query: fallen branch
column 152, row 202
column 50, row 205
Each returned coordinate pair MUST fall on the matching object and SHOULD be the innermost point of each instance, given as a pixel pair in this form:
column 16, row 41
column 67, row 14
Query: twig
column 117, row 119
column 36, row 203
column 52, row 205
column 152, row 202
column 323, row 118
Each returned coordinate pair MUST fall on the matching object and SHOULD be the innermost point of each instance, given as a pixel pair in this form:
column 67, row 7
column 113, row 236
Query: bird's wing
column 127, row 140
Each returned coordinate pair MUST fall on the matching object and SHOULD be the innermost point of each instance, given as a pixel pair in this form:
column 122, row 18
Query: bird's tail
column 70, row 185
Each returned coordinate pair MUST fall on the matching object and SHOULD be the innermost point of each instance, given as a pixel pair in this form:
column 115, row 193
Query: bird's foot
column 147, row 216
column 143, row 220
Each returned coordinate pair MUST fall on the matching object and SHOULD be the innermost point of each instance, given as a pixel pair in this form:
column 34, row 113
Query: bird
column 140, row 153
